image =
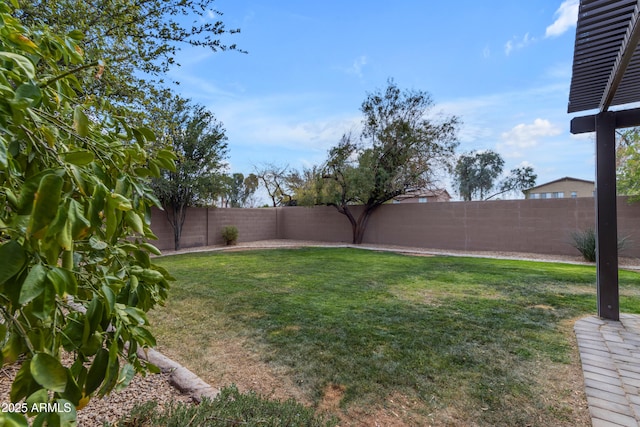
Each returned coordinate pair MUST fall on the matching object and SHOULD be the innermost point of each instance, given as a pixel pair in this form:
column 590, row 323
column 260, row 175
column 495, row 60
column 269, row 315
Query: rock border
column 180, row 377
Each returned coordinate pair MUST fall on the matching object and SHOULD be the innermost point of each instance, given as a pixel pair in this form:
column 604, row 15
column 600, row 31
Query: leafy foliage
column 76, row 274
column 274, row 179
column 238, row 190
column 400, row 149
column 585, row 242
column 137, row 39
column 628, row 163
column 230, row 234
column 199, row 142
column 476, row 173
column 518, row 180
column 229, row 408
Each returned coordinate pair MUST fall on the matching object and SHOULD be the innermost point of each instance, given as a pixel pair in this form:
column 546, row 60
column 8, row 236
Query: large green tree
column 200, row 144
column 135, row 41
column 238, row 190
column 75, row 269
column 476, row 176
column 628, row 163
column 400, row 148
column 475, row 173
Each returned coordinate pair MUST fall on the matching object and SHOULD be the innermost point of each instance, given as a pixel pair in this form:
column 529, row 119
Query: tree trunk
column 176, row 220
column 358, row 226
column 361, row 225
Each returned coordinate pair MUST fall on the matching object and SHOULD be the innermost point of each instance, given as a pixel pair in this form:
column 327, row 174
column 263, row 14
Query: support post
column 606, row 217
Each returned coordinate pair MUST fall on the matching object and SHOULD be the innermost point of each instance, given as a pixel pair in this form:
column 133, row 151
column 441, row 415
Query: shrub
column 230, row 234
column 229, row 408
column 585, row 242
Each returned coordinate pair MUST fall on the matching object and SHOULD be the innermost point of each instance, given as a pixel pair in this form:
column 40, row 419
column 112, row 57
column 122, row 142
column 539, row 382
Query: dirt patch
column 232, row 361
column 331, row 398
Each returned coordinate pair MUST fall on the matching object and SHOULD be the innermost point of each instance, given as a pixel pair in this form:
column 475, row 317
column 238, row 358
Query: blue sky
column 503, row 67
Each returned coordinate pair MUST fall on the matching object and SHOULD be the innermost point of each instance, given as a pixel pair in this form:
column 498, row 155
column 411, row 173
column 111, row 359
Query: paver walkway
column 610, row 354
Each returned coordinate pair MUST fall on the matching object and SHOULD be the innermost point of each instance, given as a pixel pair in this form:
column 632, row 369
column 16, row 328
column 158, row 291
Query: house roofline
column 566, row 178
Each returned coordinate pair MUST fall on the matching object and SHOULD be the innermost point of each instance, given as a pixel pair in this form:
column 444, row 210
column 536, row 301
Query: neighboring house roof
column 566, row 178
column 439, row 193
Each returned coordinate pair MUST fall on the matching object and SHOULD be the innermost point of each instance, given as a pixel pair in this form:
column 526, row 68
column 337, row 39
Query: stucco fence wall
column 540, row 226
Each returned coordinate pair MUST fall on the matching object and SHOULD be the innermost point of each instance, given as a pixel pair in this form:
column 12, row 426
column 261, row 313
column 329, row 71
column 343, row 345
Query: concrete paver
column 610, row 354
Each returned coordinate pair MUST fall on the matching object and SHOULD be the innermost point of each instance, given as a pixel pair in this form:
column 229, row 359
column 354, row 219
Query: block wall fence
column 538, row 226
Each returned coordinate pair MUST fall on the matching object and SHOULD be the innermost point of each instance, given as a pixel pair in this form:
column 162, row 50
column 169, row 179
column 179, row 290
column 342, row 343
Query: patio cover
column 606, row 72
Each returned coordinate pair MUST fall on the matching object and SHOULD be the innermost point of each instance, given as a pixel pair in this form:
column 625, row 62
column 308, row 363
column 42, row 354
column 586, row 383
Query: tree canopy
column 238, row 190
column 76, row 272
column 628, row 163
column 476, row 172
column 134, row 41
column 198, row 139
column 476, row 176
column 400, row 148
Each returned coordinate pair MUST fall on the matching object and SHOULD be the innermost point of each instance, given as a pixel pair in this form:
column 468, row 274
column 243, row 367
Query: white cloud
column 566, row 17
column 486, row 52
column 524, row 136
column 356, row 67
column 517, row 43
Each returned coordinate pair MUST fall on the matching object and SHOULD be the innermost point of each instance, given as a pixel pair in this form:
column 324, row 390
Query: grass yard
column 397, row 339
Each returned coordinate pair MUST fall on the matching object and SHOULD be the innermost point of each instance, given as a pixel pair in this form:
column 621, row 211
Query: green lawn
column 456, row 340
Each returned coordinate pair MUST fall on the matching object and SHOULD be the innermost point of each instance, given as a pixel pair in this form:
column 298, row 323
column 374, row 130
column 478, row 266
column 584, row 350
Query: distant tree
column 304, row 186
column 518, row 180
column 238, row 189
column 273, row 178
column 200, row 143
column 475, row 173
column 399, row 149
column 628, row 163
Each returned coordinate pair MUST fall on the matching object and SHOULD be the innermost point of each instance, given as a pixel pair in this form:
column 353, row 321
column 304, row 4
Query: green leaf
column 23, row 384
column 45, row 205
column 151, row 248
column 13, row 419
column 126, row 375
column 49, row 372
column 97, row 244
column 110, row 297
column 75, row 34
column 29, row 93
column 67, row 413
column 119, row 202
column 13, row 259
column 3, row 158
column 28, row 191
column 78, row 157
column 143, row 336
column 22, row 62
column 63, row 280
column 80, row 122
column 33, row 285
column 138, row 316
column 134, row 221
column 97, row 371
column 80, row 226
column 40, row 396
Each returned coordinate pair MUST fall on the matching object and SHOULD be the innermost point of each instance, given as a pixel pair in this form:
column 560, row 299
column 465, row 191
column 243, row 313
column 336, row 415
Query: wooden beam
column 627, row 48
column 606, row 217
column 623, row 118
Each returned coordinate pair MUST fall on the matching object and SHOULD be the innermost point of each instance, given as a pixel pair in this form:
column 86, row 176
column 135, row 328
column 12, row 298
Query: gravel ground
column 158, row 387
column 113, row 406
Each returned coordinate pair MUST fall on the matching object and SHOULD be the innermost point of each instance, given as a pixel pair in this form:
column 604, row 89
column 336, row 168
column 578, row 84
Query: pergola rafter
column 606, row 72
